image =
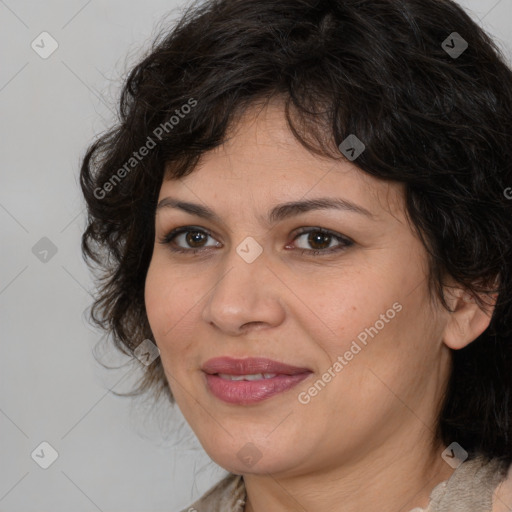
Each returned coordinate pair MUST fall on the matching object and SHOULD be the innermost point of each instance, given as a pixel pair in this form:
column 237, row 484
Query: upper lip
column 250, row 365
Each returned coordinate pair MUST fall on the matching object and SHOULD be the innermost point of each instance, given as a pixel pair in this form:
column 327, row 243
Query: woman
column 303, row 206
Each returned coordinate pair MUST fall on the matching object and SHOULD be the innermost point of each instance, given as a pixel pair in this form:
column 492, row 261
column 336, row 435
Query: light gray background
column 114, row 454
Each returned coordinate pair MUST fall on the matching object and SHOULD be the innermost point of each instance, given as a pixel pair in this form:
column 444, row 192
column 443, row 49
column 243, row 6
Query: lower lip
column 245, row 392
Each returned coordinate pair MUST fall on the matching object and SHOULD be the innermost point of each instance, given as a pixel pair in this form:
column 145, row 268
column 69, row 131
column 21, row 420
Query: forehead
column 262, row 159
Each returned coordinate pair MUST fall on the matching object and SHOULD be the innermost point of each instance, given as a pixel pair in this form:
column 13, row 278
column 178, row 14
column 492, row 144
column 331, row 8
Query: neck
column 383, row 481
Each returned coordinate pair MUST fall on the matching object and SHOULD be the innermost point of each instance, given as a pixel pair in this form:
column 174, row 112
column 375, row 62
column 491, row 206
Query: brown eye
column 319, row 241
column 195, row 237
column 190, row 240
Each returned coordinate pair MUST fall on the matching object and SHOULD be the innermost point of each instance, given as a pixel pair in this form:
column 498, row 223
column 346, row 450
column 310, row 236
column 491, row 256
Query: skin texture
column 502, row 496
column 366, row 440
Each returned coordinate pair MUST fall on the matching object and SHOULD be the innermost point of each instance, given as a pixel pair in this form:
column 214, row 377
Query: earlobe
column 467, row 321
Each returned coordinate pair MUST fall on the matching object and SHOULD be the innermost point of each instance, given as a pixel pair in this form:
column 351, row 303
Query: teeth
column 254, row 376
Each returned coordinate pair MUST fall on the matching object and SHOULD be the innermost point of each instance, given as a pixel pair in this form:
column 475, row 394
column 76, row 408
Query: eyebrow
column 278, row 213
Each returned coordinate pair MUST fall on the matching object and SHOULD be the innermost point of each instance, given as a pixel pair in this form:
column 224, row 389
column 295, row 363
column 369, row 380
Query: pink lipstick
column 250, row 380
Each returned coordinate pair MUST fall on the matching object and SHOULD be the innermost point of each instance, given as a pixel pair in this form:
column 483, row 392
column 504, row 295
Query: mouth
column 250, row 366
column 251, row 376
column 251, row 380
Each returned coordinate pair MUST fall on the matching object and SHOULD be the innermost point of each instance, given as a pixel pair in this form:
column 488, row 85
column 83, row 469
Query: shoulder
column 502, row 496
column 228, row 495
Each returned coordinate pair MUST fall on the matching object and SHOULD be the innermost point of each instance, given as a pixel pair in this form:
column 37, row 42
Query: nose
column 246, row 296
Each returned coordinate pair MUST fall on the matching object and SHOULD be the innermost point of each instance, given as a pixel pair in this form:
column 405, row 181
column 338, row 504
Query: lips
column 250, row 366
column 252, row 380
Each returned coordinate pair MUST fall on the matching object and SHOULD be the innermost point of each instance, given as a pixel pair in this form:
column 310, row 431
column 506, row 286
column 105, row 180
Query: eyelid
column 167, row 238
column 318, row 229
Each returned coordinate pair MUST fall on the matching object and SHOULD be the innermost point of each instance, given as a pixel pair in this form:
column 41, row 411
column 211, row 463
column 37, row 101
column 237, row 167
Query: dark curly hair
column 437, row 121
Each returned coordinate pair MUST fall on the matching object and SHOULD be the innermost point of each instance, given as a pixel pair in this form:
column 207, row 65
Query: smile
column 254, row 376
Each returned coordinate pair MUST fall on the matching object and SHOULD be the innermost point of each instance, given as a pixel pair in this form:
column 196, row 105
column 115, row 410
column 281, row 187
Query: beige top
column 473, row 487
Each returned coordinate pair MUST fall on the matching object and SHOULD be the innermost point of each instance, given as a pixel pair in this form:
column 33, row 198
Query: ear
column 468, row 320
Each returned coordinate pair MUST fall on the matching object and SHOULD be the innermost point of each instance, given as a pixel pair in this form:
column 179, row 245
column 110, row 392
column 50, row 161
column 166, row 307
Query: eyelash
column 346, row 242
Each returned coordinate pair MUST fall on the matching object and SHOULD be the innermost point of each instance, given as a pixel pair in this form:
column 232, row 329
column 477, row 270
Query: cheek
column 170, row 306
column 164, row 306
column 355, row 312
column 154, row 299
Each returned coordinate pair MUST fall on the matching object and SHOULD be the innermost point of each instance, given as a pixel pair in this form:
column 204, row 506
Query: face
column 338, row 292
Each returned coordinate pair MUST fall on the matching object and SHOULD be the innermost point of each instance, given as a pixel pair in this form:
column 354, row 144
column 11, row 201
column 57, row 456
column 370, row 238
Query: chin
column 249, row 459
column 258, row 468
